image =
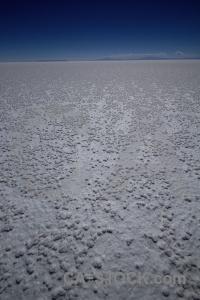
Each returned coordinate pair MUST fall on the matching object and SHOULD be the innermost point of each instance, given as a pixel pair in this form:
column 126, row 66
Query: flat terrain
column 100, row 172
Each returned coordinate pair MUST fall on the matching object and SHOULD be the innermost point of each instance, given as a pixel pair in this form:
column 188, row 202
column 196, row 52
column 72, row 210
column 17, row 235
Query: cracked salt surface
column 100, row 170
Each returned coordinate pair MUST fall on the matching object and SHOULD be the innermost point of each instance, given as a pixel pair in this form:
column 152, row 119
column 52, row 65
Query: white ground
column 100, row 172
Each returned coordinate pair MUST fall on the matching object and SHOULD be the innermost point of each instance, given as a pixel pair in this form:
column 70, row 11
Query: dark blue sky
column 91, row 29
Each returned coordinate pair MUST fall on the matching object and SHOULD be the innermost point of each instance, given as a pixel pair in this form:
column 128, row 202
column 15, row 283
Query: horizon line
column 99, row 59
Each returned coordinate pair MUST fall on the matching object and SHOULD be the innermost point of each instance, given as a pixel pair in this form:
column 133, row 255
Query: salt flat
column 100, row 172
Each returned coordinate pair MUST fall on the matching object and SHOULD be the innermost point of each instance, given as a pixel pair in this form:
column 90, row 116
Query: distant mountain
column 147, row 58
column 48, row 60
column 150, row 56
column 107, row 58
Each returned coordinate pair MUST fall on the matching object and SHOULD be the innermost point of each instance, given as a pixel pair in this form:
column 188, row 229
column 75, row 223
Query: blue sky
column 91, row 29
